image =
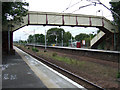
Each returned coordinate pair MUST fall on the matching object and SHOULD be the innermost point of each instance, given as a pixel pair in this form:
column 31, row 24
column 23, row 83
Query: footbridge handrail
column 66, row 19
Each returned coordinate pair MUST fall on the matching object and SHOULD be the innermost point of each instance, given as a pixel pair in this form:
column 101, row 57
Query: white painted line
column 64, row 77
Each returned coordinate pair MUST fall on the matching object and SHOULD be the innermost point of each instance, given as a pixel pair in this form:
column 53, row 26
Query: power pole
column 62, row 38
column 45, row 41
column 34, row 38
column 71, row 40
column 56, row 39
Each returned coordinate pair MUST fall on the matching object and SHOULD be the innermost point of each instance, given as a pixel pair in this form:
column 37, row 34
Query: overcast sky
column 60, row 6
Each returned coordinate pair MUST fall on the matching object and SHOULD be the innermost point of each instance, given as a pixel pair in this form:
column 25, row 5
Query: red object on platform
column 78, row 45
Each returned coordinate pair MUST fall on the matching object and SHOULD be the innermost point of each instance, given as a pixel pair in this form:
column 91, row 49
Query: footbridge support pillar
column 7, row 38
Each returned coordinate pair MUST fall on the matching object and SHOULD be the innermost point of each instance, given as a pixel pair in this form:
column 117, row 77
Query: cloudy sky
column 61, row 6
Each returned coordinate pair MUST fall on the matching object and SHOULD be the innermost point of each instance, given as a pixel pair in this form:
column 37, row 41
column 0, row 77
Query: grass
column 54, row 54
column 35, row 49
column 69, row 60
column 64, row 59
column 89, row 67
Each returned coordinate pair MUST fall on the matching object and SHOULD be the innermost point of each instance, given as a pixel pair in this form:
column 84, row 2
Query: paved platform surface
column 25, row 71
column 17, row 74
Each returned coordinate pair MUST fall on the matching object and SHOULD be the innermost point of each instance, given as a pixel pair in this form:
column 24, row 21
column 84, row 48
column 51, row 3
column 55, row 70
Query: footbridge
column 65, row 19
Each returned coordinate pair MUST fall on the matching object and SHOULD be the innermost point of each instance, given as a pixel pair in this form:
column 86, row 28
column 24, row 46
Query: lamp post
column 107, row 8
column 26, row 34
column 55, row 33
column 99, row 11
column 19, row 40
column 71, row 40
column 34, row 38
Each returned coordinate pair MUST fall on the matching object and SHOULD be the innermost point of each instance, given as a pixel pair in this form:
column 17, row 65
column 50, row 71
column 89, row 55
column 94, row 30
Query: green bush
column 118, row 75
column 35, row 50
column 54, row 54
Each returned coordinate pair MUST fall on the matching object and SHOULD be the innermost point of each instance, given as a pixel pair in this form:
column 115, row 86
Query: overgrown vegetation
column 35, row 49
column 54, row 54
column 68, row 60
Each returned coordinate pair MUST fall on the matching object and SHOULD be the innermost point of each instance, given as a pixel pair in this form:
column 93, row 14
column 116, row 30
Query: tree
column 37, row 38
column 30, row 39
column 115, row 6
column 41, row 38
column 81, row 36
column 53, row 33
column 14, row 10
column 67, row 37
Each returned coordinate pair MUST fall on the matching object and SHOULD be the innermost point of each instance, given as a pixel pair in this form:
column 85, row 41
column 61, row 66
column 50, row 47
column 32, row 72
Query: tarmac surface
column 23, row 71
column 17, row 74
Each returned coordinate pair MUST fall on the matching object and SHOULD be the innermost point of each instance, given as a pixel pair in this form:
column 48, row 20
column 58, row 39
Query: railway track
column 87, row 84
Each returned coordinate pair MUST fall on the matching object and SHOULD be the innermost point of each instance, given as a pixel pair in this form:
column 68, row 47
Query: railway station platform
column 23, row 71
column 17, row 74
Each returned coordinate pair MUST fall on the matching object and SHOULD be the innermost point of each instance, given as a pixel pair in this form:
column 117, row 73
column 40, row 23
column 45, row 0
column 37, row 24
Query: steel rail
column 66, row 71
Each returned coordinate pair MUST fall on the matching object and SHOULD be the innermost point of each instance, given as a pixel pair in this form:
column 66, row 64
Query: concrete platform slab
column 17, row 74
